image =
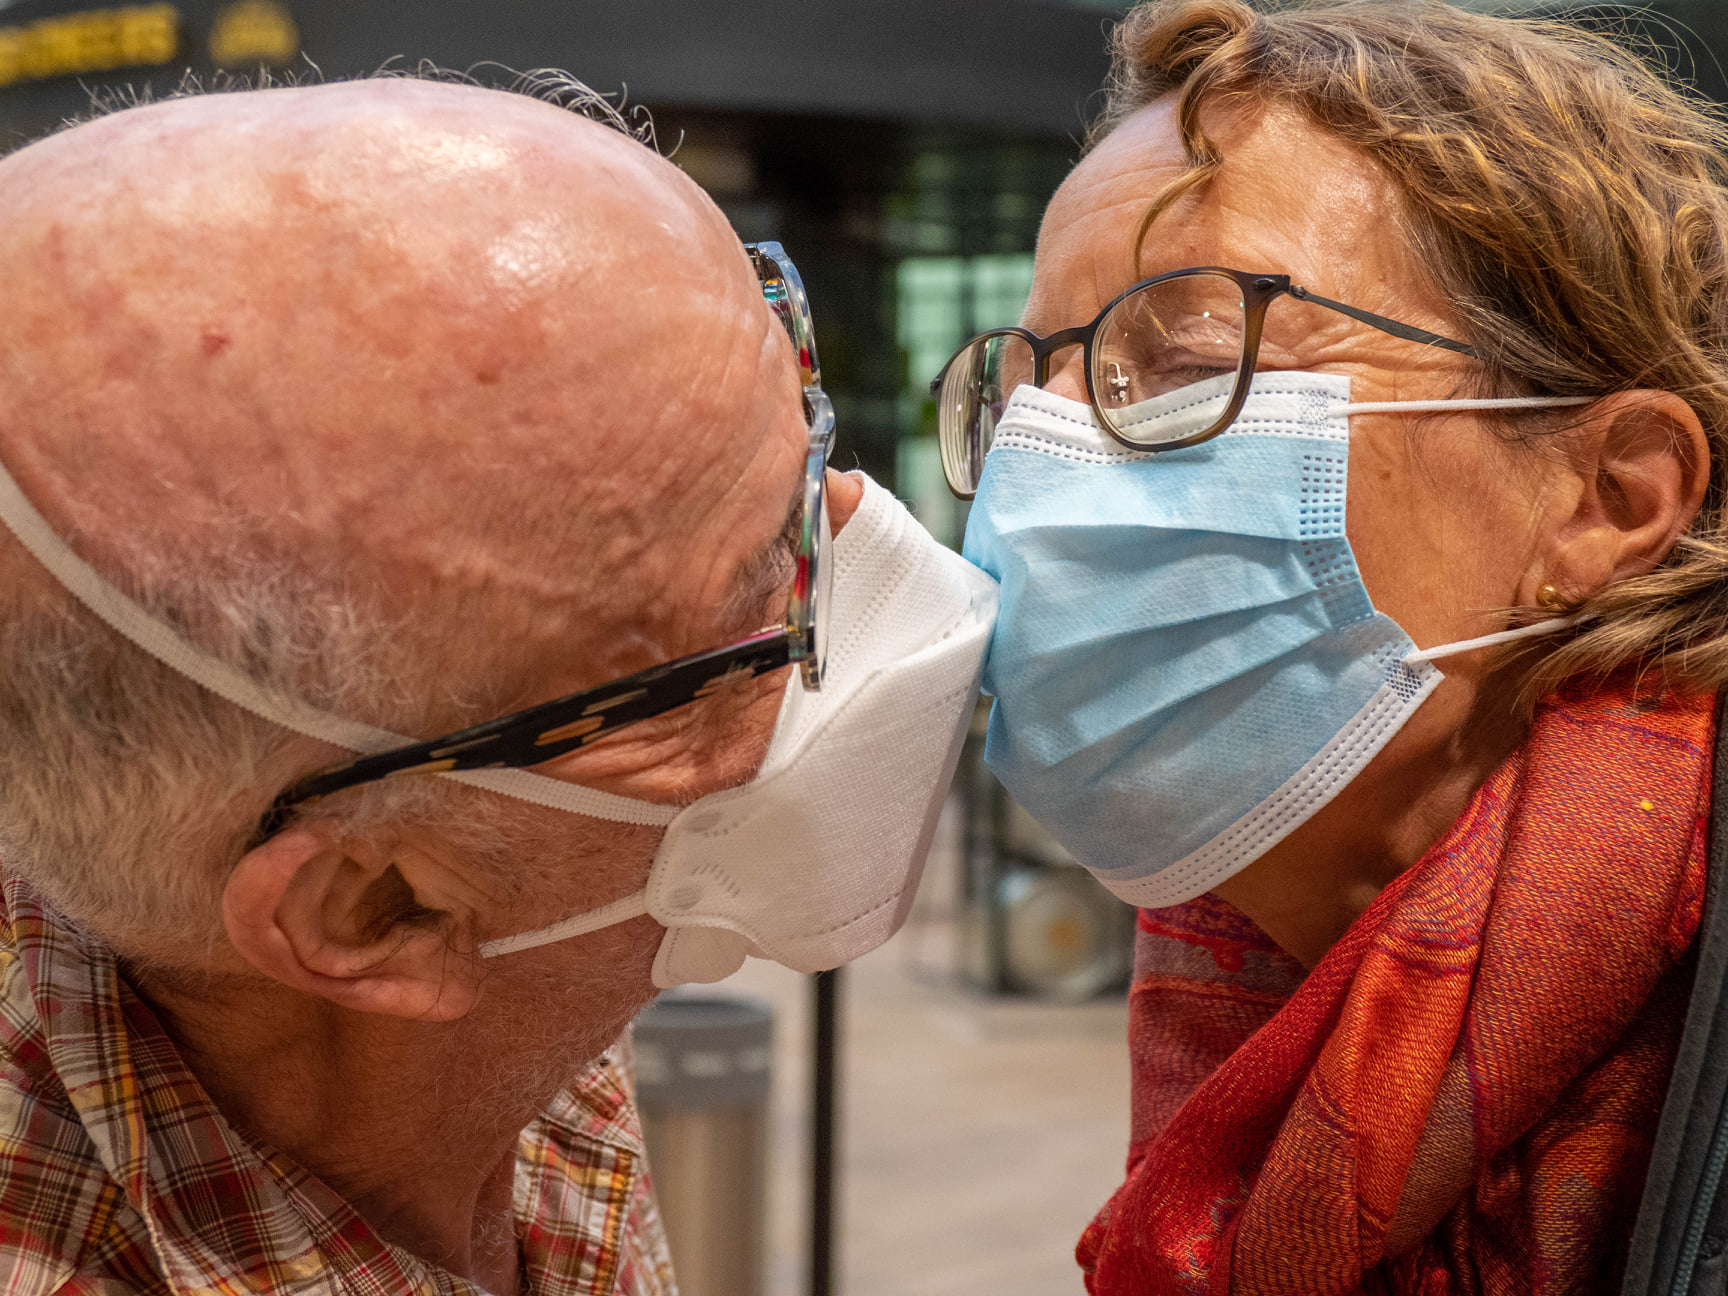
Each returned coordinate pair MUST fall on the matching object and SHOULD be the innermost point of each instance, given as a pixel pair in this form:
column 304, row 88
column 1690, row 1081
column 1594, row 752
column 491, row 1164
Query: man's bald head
column 404, row 319
column 445, row 360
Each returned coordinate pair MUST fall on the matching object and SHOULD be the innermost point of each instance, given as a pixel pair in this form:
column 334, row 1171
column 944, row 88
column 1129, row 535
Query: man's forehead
column 355, row 148
column 395, row 193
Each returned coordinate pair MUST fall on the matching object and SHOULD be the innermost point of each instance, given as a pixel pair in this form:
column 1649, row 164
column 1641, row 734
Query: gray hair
column 130, row 792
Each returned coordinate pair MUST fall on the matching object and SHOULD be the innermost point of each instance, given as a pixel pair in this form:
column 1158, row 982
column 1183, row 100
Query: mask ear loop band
column 1441, row 406
column 1551, row 626
column 633, row 906
column 1554, row 624
column 127, row 618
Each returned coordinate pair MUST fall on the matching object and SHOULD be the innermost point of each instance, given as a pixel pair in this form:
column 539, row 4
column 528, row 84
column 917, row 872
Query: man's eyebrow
column 793, row 526
column 764, row 575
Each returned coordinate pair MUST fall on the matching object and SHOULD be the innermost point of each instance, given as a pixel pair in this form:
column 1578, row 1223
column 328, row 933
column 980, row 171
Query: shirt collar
column 225, row 1215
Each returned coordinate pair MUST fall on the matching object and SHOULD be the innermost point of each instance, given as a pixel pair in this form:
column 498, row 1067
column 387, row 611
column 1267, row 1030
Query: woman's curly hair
column 1566, row 199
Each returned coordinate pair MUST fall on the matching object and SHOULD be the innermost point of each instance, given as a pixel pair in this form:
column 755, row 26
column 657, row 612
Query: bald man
column 337, row 420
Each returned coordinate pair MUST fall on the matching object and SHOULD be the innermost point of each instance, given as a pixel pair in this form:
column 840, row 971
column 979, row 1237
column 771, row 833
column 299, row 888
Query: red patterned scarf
column 1462, row 1095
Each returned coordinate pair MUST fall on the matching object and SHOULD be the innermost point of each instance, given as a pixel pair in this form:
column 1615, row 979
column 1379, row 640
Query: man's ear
column 375, row 926
column 1640, row 464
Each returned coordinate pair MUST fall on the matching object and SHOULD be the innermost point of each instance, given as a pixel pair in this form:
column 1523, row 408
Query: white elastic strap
column 618, row 911
column 1489, row 640
column 124, row 616
column 1441, row 406
column 556, row 794
column 83, row 583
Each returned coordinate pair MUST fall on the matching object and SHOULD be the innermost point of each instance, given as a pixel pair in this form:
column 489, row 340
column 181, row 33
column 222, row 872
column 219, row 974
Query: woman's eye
column 1124, row 384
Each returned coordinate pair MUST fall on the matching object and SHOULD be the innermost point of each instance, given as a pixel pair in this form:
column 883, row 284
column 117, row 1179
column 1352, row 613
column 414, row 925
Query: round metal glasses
column 1160, row 335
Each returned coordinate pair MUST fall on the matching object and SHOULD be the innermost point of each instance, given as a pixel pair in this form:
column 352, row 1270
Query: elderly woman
column 1356, row 488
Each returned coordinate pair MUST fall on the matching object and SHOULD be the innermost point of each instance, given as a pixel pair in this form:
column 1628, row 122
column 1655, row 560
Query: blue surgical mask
column 1186, row 665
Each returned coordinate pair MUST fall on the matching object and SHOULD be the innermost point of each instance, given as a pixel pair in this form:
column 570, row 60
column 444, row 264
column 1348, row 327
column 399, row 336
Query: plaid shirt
column 118, row 1174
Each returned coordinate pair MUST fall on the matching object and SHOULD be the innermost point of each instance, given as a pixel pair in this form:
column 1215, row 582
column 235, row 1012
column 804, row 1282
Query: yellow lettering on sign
column 94, row 45
column 253, row 31
column 149, row 34
column 97, row 40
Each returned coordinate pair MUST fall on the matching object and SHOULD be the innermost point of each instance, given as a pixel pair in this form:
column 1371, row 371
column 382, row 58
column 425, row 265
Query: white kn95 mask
column 815, row 860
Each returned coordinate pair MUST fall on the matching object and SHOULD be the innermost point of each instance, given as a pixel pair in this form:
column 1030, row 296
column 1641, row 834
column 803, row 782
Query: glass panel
column 931, row 314
column 1000, row 287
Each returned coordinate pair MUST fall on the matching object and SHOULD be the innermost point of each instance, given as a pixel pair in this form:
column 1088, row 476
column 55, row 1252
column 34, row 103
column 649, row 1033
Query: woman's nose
column 1068, row 374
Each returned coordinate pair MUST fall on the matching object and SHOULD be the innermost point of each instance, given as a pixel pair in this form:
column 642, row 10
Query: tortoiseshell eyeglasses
column 541, row 733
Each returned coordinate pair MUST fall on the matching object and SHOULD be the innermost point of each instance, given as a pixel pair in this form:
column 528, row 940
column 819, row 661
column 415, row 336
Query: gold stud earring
column 1548, row 597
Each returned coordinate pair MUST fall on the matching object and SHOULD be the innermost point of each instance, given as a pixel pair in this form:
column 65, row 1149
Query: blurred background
column 902, row 151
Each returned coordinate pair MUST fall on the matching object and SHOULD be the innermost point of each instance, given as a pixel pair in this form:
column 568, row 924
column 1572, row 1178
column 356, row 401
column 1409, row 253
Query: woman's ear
column 378, row 927
column 1639, row 466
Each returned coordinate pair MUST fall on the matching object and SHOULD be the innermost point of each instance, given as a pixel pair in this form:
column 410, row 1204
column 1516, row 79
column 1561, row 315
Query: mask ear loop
column 631, row 906
column 1446, row 406
column 1551, row 626
column 127, row 618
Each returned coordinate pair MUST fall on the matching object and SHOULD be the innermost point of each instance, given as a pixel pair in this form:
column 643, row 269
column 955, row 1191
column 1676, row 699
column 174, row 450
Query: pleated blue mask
column 1186, row 665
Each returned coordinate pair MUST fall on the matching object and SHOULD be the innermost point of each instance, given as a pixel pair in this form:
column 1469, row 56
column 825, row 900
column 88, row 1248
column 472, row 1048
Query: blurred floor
column 979, row 1136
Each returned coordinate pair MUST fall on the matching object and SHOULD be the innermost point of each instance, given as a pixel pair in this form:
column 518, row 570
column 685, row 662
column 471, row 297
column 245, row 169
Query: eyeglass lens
column 1168, row 335
column 813, row 583
column 975, row 389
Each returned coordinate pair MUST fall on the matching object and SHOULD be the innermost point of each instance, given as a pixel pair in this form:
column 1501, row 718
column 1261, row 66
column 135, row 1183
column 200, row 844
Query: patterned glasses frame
column 544, row 732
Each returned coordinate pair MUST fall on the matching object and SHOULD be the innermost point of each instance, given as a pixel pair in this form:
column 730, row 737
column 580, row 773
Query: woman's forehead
column 1287, row 199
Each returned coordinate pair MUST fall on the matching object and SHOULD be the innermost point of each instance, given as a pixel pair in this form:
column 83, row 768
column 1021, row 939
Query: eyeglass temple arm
column 1409, row 332
column 553, row 728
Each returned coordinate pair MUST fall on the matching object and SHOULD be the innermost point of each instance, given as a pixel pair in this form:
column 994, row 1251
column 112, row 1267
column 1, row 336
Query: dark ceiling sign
column 1026, row 65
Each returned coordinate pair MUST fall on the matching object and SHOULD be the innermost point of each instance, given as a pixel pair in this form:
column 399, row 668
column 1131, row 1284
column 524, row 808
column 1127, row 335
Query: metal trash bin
column 702, row 1080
